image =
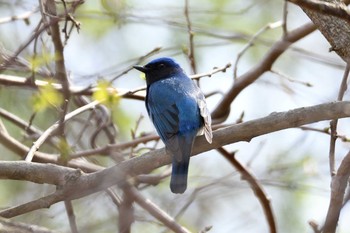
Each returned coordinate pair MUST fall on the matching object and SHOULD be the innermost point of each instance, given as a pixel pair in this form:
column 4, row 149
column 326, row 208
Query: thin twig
column 190, row 53
column 139, row 60
column 53, row 128
column 334, row 123
column 115, row 198
column 126, row 212
column 19, row 122
column 307, row 84
column 251, row 43
column 24, row 16
column 37, row 31
column 338, row 186
column 285, row 17
column 21, row 150
column 222, row 110
column 210, row 73
column 105, row 150
column 256, row 187
column 11, row 80
column 41, row 27
column 60, row 68
column 13, row 226
column 71, row 216
column 326, row 130
column 156, row 212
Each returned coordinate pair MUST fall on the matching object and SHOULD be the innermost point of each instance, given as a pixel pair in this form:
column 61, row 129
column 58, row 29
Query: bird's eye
column 161, row 66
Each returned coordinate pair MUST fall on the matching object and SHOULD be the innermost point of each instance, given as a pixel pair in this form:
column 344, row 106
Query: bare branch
column 190, row 53
column 252, row 41
column 37, row 172
column 19, row 122
column 223, row 108
column 156, row 212
column 332, row 20
column 71, row 216
column 51, row 130
column 8, row 226
column 256, row 187
column 210, row 73
column 10, row 80
column 23, row 16
column 85, row 184
column 337, row 9
column 18, row 148
column 338, row 186
column 60, row 68
column 334, row 123
column 41, row 203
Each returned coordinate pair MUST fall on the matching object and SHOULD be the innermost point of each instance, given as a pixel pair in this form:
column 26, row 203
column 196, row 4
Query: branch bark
column 339, row 183
column 85, row 184
column 60, row 68
column 332, row 19
column 8, row 226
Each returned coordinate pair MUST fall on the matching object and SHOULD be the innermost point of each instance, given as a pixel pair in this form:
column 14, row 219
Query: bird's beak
column 141, row 68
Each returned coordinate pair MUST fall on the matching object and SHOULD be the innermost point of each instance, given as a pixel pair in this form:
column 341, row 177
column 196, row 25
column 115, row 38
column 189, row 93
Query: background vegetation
column 75, row 135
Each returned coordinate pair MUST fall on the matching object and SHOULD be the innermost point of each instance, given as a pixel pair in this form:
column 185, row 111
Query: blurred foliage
column 38, row 61
column 106, row 94
column 47, row 97
column 64, row 149
column 215, row 23
column 99, row 16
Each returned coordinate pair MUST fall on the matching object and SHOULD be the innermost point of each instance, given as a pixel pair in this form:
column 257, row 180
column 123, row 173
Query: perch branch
column 85, row 184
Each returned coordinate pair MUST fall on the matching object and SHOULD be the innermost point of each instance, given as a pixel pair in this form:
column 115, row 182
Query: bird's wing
column 206, row 118
column 166, row 122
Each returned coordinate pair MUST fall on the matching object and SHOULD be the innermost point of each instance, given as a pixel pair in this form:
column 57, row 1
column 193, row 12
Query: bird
column 179, row 112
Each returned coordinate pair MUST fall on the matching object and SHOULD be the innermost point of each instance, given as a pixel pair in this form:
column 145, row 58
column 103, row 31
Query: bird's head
column 160, row 68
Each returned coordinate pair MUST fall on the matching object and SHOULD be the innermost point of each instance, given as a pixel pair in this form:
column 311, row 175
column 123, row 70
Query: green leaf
column 38, row 60
column 47, row 97
column 106, row 94
column 64, row 149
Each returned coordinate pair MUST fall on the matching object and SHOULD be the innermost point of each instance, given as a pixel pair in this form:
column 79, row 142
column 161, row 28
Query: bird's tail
column 180, row 161
column 178, row 182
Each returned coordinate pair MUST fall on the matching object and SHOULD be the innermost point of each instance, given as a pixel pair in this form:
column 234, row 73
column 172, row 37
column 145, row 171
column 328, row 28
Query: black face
column 158, row 69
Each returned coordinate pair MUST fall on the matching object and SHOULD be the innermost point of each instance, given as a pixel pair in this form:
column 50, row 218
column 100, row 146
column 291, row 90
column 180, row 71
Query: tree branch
column 86, row 184
column 17, row 147
column 190, row 53
column 54, row 127
column 37, row 172
column 60, row 68
column 222, row 110
column 334, row 123
column 332, row 19
column 256, row 187
column 8, row 226
column 339, row 183
column 155, row 211
column 24, row 16
column 337, row 9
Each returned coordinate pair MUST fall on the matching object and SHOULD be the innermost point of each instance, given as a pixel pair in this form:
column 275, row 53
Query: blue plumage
column 178, row 111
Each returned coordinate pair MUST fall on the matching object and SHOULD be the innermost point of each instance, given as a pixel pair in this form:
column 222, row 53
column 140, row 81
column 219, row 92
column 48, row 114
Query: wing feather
column 166, row 123
column 206, row 118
